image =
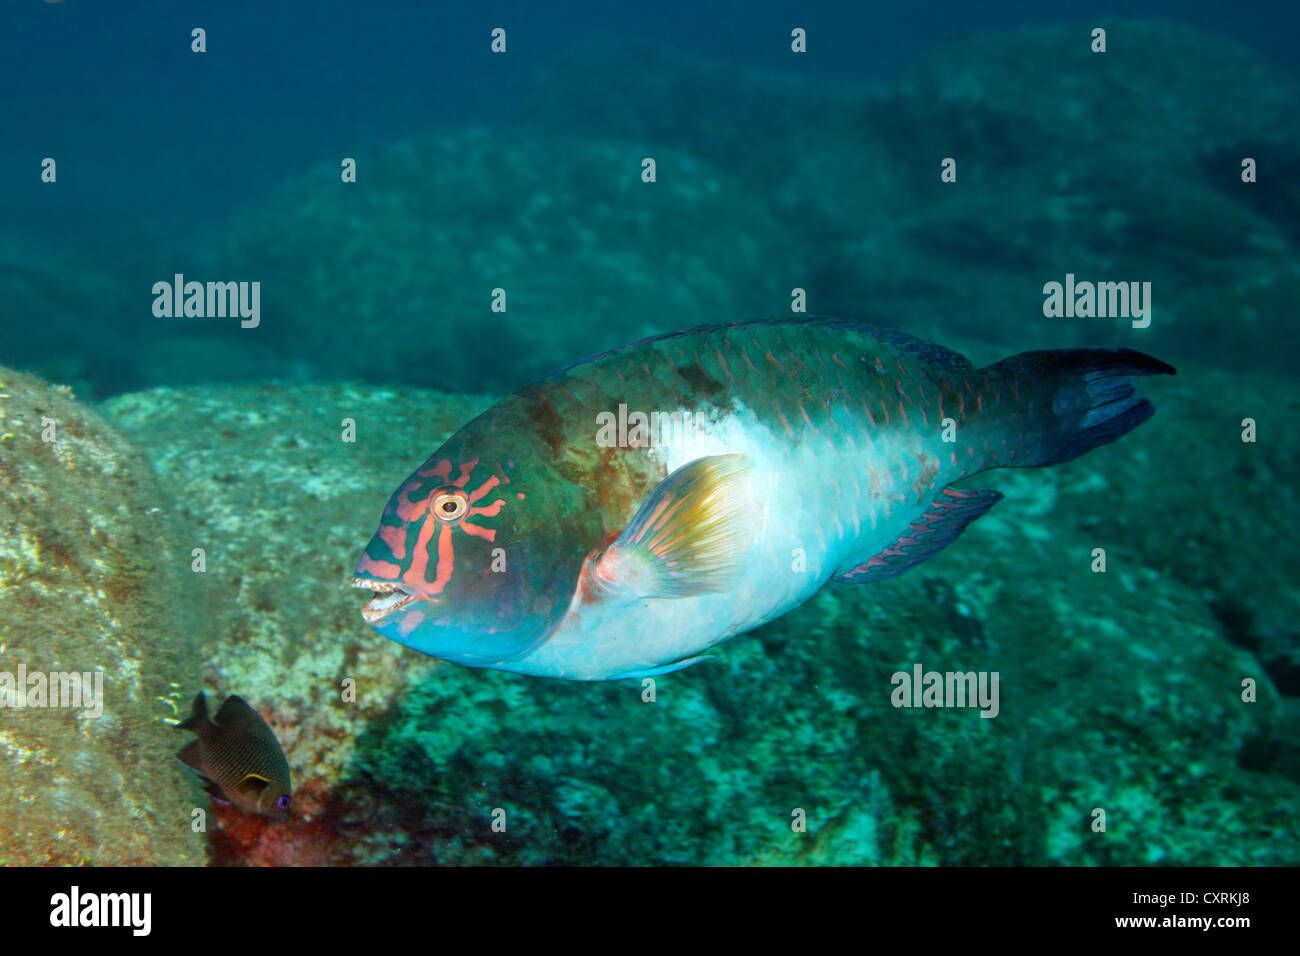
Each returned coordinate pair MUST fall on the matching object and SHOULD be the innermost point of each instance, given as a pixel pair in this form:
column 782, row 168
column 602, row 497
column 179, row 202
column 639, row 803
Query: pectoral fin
column 687, row 538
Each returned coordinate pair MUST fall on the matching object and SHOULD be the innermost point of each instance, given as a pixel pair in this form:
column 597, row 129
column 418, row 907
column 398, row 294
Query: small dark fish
column 239, row 758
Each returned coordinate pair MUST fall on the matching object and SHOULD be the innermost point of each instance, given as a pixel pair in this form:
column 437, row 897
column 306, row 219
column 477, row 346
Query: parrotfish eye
column 283, row 802
column 450, row 505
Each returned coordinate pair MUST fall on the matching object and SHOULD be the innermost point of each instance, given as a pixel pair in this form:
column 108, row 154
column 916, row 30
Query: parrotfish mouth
column 389, row 598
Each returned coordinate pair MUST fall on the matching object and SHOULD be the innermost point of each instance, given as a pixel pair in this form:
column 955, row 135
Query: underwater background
column 776, row 170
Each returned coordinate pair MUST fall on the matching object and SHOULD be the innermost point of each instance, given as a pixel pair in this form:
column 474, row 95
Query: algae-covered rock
column 1119, row 691
column 1212, row 479
column 86, row 588
column 276, row 495
column 1122, row 166
column 393, row 278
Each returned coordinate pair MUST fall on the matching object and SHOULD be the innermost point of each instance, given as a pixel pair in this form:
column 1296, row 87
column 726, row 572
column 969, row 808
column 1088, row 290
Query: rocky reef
column 1120, row 690
column 1115, row 167
column 275, row 497
column 191, row 532
column 88, row 587
column 587, row 255
column 1121, row 166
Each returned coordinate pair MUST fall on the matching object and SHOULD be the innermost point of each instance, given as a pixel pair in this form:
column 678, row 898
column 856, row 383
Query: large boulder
column 1116, row 166
column 391, row 279
column 88, row 585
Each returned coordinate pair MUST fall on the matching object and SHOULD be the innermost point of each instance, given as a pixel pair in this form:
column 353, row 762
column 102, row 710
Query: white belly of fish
column 800, row 534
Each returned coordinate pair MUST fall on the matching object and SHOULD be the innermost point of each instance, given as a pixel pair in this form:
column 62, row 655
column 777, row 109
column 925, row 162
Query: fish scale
column 775, row 381
column 817, row 449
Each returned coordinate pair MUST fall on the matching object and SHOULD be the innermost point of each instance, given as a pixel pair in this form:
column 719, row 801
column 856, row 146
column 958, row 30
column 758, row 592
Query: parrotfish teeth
column 392, row 597
column 380, row 586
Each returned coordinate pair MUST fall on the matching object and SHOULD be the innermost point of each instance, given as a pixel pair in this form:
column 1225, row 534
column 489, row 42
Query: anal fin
column 947, row 517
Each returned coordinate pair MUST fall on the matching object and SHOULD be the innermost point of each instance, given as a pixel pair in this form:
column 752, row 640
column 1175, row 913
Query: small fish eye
column 283, row 802
column 450, row 506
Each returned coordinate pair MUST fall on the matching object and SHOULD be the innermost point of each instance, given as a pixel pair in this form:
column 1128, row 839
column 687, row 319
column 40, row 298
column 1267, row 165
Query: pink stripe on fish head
column 395, row 538
column 380, row 569
column 407, row 509
column 441, row 470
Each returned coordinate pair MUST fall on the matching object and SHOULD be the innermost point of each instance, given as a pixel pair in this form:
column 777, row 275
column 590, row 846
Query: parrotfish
column 238, row 758
column 620, row 516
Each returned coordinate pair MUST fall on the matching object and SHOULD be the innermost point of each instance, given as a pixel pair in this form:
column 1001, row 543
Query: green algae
column 85, row 574
column 1120, row 691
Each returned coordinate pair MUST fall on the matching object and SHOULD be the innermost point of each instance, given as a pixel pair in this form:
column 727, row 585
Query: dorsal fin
column 198, row 720
column 909, row 344
column 236, row 712
column 947, row 517
column 904, row 342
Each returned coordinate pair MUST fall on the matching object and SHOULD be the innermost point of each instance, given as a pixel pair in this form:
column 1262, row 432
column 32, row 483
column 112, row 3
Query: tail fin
column 198, row 720
column 1087, row 398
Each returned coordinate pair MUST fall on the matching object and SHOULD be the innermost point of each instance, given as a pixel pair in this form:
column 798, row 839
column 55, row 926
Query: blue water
column 158, row 140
